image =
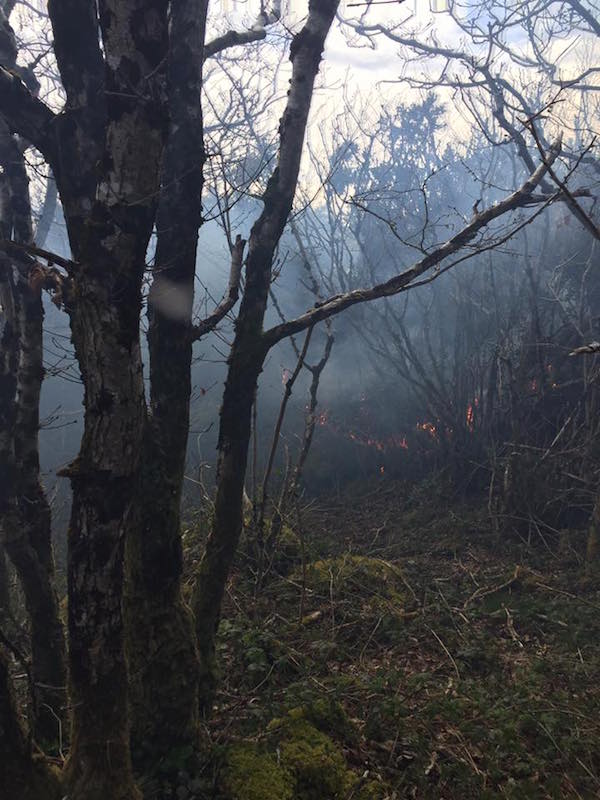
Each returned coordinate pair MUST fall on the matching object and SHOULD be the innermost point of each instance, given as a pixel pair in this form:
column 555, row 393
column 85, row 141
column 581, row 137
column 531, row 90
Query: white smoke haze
column 368, row 81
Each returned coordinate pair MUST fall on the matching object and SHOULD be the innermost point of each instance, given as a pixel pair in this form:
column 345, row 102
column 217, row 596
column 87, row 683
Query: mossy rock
column 329, row 717
column 364, row 592
column 318, row 765
column 298, row 762
column 250, row 774
column 315, row 760
column 349, row 574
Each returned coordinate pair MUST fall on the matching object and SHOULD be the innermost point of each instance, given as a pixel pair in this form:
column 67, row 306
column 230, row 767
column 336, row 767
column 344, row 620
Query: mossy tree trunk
column 249, row 347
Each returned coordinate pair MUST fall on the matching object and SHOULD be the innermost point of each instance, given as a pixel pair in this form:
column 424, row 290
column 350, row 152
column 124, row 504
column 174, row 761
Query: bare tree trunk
column 33, row 556
column 161, row 637
column 29, row 543
column 249, row 348
column 110, row 245
column 105, row 333
column 8, row 388
column 9, row 348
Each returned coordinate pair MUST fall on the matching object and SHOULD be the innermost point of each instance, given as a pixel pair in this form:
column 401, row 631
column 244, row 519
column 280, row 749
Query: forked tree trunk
column 249, row 348
column 161, row 638
column 105, row 333
column 104, row 307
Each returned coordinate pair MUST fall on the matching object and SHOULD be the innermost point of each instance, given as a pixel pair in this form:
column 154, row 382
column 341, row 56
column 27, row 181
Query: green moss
column 365, row 597
column 250, row 774
column 309, row 766
column 328, row 716
column 315, row 761
column 346, row 576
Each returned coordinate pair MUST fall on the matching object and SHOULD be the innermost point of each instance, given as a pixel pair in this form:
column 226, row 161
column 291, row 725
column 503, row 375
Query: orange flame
column 470, row 417
column 363, row 439
column 428, row 427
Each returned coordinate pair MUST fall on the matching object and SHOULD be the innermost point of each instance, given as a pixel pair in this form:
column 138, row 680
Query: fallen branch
column 483, row 592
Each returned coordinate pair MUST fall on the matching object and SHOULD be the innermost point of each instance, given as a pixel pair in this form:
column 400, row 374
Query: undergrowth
column 416, row 653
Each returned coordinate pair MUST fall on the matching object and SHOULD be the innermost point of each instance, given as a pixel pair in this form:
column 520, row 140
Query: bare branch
column 255, row 34
column 231, row 295
column 591, row 348
column 337, row 303
column 21, row 250
column 569, row 196
column 585, row 14
column 25, row 114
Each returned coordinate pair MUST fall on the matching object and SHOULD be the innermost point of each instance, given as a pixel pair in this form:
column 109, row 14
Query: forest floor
column 402, row 648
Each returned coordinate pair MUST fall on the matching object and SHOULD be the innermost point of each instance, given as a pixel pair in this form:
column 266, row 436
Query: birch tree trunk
column 249, row 347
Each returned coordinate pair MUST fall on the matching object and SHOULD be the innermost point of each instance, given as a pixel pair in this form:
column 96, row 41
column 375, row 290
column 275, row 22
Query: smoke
column 172, row 300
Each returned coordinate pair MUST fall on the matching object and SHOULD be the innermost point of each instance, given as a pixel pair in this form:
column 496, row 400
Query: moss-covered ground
column 407, row 648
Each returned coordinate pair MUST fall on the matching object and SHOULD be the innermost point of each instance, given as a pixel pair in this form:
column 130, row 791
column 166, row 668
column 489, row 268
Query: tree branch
column 77, row 50
column 585, row 14
column 569, row 196
column 338, row 303
column 25, row 114
column 21, row 250
column 230, row 297
column 255, row 34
